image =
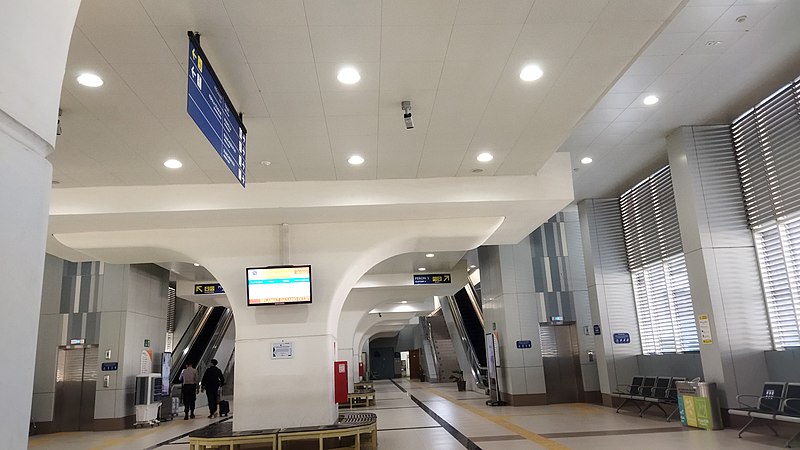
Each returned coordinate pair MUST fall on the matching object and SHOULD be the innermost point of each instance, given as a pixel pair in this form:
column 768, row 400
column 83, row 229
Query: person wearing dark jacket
column 211, row 382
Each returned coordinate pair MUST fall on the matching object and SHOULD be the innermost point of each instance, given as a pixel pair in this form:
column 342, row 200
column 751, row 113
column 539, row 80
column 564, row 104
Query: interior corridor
column 426, row 416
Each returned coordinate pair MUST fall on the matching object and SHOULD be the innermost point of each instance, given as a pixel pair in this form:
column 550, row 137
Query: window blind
column 650, row 221
column 766, row 141
column 658, row 269
column 778, row 248
column 767, row 145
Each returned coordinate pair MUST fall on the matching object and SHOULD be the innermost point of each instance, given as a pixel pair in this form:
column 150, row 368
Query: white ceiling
column 457, row 61
column 697, row 83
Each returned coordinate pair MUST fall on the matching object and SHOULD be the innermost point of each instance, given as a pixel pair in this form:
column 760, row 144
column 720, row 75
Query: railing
column 474, row 364
column 434, row 354
column 219, row 333
column 181, row 349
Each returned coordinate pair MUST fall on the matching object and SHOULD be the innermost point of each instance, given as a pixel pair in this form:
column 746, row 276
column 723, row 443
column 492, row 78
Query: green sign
column 147, row 342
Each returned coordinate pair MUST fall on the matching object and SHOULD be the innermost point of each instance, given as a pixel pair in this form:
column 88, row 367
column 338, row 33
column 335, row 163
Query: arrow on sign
column 198, row 288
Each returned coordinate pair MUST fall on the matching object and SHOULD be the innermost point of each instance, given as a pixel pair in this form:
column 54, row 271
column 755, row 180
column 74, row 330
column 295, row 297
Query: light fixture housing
column 356, row 160
column 89, row 79
column 429, row 255
column 173, row 164
column 531, row 72
column 422, row 269
column 472, row 266
column 197, row 264
column 404, row 302
column 586, row 160
column 485, row 157
column 348, row 75
column 650, row 100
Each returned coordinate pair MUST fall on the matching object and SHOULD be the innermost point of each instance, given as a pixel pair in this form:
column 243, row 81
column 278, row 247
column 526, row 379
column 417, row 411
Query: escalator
column 464, row 318
column 473, row 323
column 201, row 339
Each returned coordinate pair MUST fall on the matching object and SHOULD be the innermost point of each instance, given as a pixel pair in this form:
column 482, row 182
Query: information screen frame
column 310, row 285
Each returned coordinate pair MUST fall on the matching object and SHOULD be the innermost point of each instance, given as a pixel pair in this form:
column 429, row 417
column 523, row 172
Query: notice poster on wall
column 705, row 329
column 146, row 362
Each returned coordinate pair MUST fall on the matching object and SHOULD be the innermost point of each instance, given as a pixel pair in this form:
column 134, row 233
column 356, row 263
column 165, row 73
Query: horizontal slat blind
column 778, row 249
column 658, row 269
column 767, row 144
column 650, row 221
column 767, row 139
column 664, row 307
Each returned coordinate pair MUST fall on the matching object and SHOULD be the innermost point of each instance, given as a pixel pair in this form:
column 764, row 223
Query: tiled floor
column 423, row 416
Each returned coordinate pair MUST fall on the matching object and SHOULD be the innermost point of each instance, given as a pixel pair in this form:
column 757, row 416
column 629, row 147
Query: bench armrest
column 747, row 405
column 791, row 409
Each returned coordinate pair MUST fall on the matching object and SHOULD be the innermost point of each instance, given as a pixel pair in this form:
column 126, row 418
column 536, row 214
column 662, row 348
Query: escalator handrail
column 473, row 299
column 179, row 358
column 429, row 335
column 475, row 365
column 219, row 334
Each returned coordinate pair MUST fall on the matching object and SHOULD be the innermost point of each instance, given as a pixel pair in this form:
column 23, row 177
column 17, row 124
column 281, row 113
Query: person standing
column 189, row 377
column 212, row 380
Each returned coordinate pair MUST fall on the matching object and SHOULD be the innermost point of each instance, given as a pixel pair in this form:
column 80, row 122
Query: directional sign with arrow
column 432, row 278
column 208, row 288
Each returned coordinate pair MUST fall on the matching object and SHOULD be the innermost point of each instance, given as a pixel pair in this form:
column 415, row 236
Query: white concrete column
column 25, row 178
column 720, row 259
column 611, row 297
column 34, row 39
column 510, row 305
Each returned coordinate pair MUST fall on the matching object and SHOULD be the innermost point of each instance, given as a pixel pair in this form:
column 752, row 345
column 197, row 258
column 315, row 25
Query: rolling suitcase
column 224, row 408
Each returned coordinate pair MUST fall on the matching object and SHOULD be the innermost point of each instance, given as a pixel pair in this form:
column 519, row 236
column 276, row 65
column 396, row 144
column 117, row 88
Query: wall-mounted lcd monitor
column 278, row 285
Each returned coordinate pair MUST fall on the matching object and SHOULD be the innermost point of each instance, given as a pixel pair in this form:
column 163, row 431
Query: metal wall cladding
column 81, row 298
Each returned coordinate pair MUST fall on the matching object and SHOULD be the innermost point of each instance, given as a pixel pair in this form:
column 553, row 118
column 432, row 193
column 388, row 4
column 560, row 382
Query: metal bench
column 664, row 392
column 628, row 391
column 778, row 402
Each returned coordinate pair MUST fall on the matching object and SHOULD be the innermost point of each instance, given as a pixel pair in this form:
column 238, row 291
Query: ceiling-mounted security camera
column 406, row 105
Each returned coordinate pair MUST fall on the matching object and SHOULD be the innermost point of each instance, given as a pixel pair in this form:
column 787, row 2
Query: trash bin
column 699, row 404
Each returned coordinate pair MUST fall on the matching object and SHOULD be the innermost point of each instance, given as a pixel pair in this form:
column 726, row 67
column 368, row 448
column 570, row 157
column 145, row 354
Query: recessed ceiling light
column 348, row 75
column 196, row 264
column 265, row 163
column 90, row 80
column 429, row 255
column 485, row 157
column 422, row 269
column 650, row 100
column 404, row 302
column 531, row 72
column 355, row 160
column 586, row 160
column 472, row 266
column 173, row 164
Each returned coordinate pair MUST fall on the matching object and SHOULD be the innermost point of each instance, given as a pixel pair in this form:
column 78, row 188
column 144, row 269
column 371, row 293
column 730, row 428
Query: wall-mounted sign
column 282, row 350
column 622, row 338
column 77, row 341
column 213, row 112
column 597, row 330
column 147, row 343
column 109, row 366
column 432, row 278
column 705, row 329
column 524, row 344
column 208, row 288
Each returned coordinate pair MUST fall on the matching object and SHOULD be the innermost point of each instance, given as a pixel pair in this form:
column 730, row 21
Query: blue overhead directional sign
column 213, row 112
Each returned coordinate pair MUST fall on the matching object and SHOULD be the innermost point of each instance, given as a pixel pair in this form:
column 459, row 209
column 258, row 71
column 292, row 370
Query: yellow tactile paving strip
column 500, row 420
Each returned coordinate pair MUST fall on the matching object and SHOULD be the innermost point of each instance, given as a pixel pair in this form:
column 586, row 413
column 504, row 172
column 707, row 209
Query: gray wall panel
column 783, row 365
column 686, row 365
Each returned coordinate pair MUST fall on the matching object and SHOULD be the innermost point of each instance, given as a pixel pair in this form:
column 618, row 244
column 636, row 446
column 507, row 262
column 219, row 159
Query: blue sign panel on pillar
column 524, row 344
column 212, row 111
column 622, row 338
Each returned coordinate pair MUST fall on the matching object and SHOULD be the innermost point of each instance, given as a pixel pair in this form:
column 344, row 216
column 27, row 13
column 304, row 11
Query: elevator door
column 562, row 365
column 76, row 380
